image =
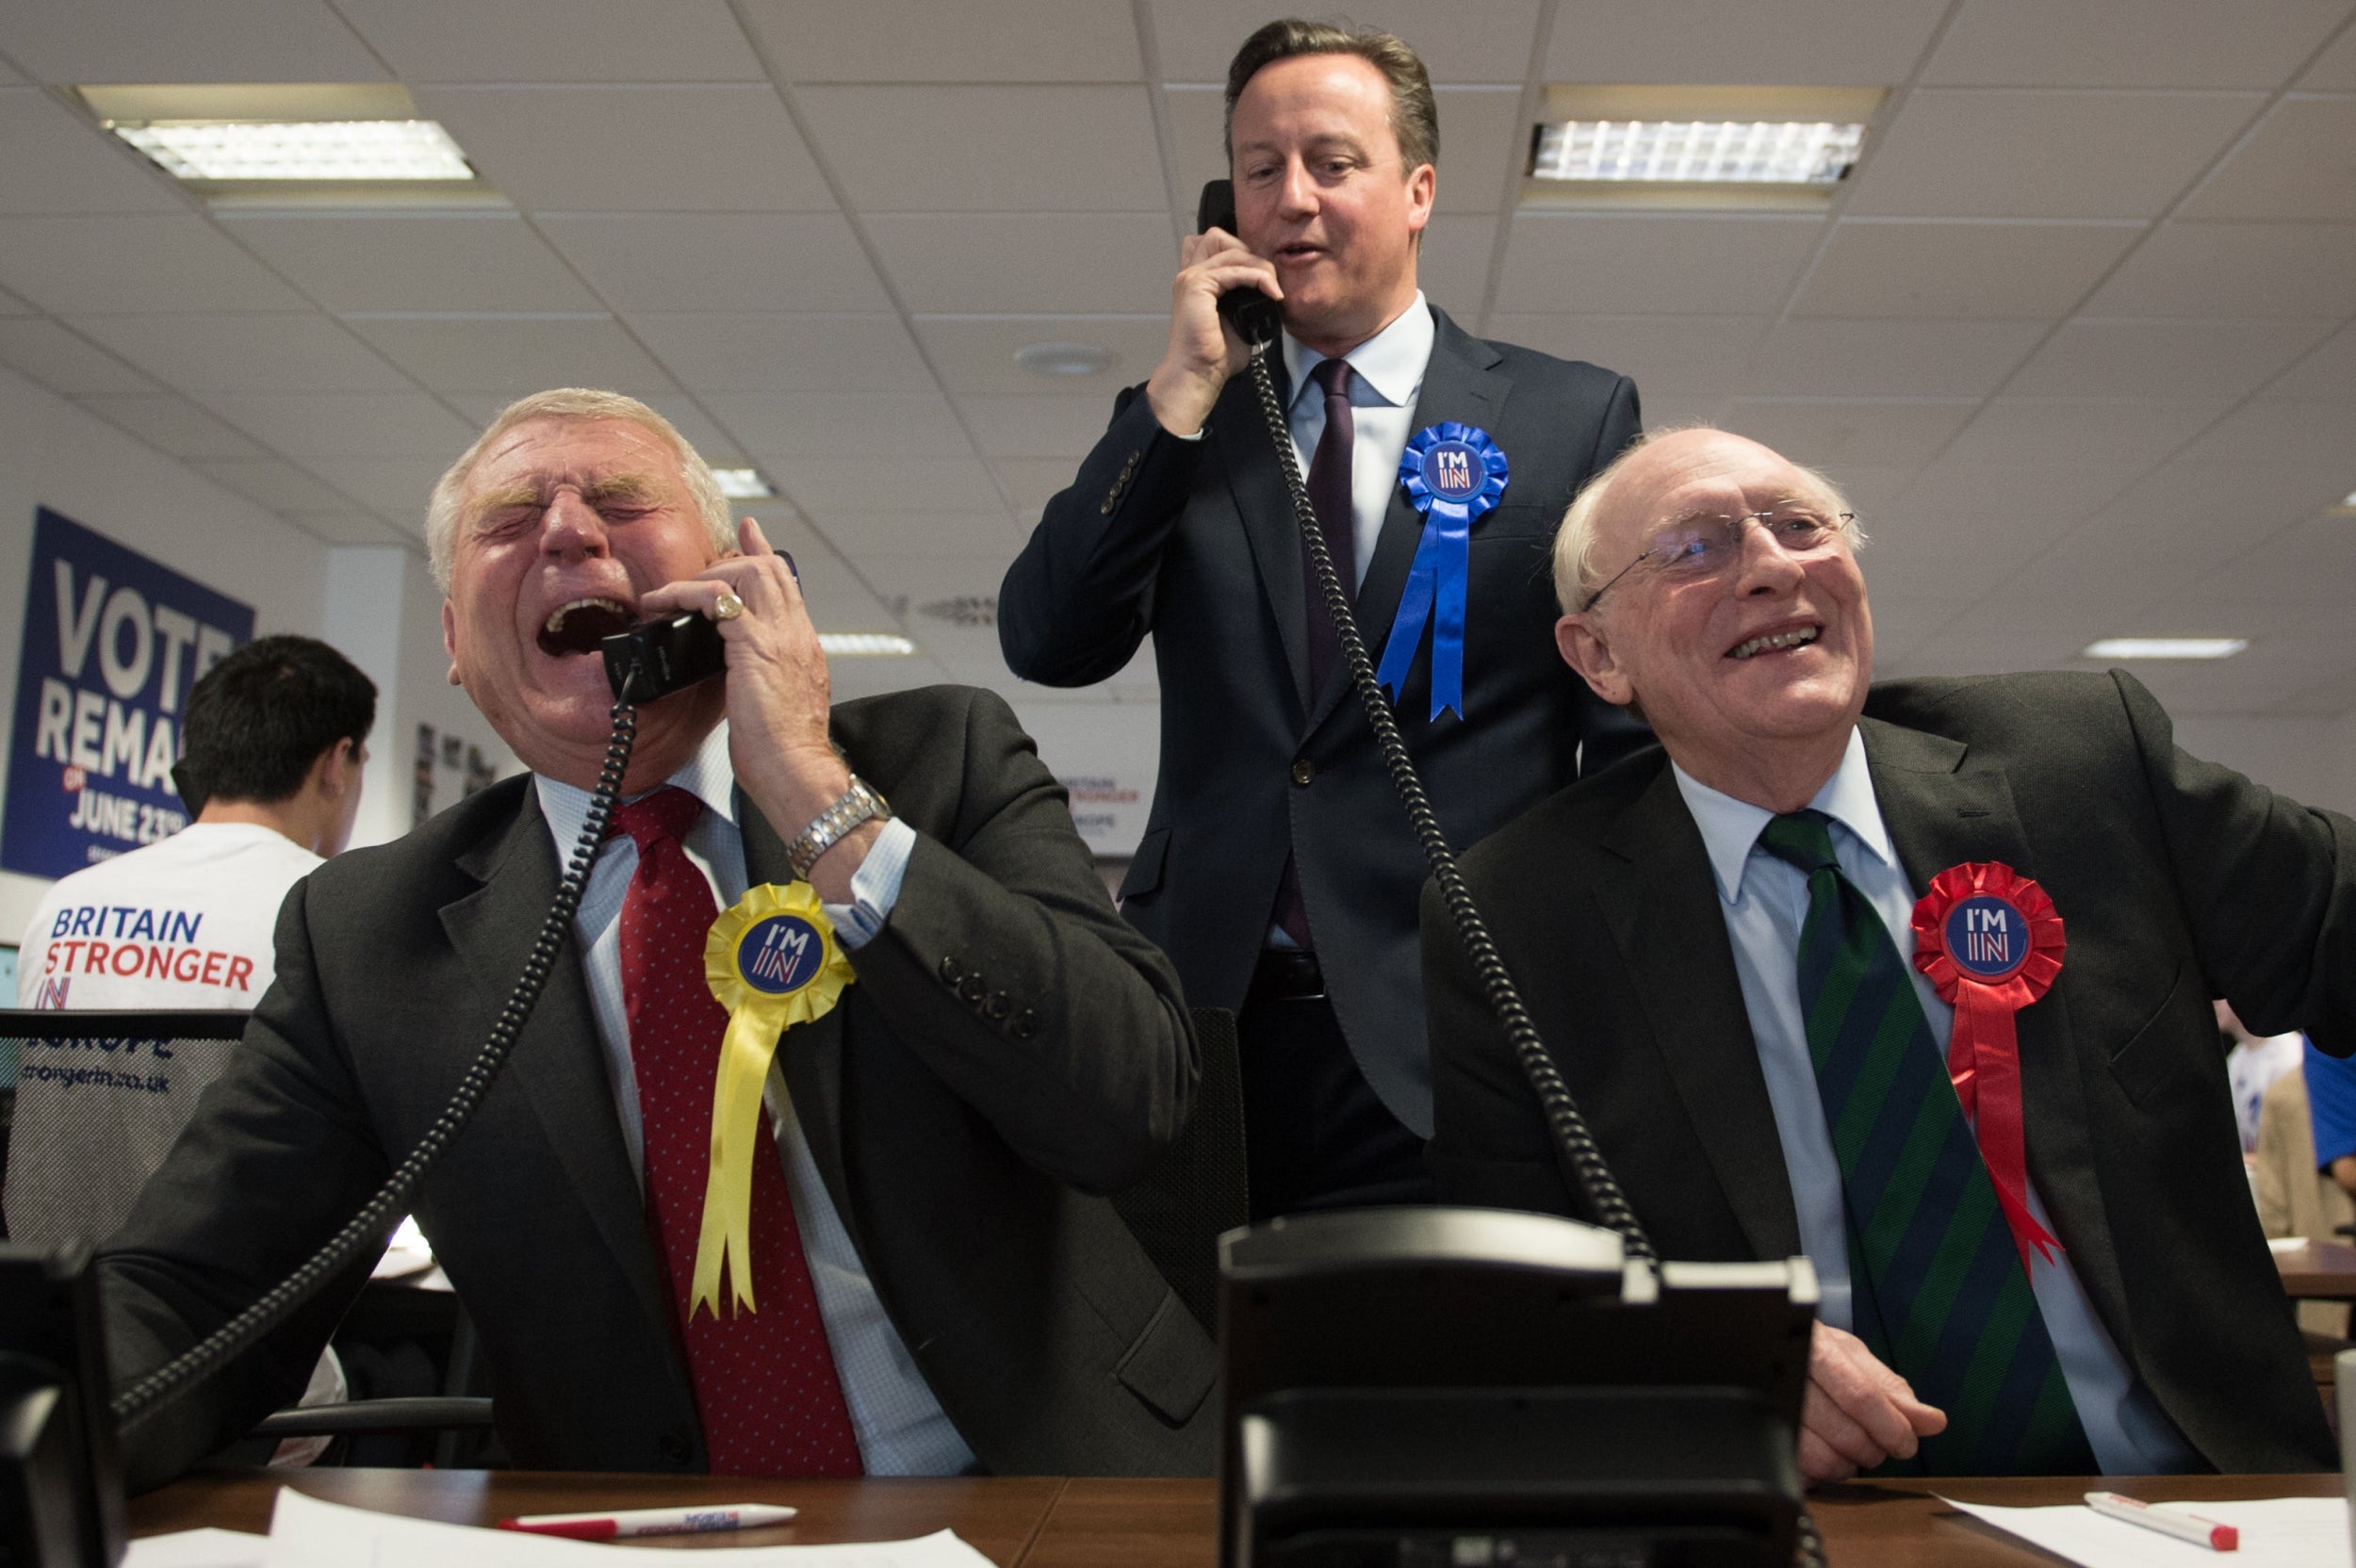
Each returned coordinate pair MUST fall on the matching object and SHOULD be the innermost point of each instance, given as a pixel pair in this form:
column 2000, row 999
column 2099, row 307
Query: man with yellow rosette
column 791, row 1172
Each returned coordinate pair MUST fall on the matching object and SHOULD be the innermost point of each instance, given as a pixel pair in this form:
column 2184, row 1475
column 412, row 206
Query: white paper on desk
column 2277, row 1532
column 306, row 1532
column 205, row 1548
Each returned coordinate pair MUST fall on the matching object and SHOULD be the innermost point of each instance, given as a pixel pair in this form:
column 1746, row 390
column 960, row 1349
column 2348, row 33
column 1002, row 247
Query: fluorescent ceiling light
column 864, row 645
column 1063, row 359
column 2167, row 647
column 742, row 484
column 1756, row 152
column 338, row 150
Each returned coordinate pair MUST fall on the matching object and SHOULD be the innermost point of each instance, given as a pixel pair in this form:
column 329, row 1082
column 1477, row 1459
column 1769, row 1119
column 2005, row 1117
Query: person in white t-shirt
column 2253, row 1063
column 276, row 737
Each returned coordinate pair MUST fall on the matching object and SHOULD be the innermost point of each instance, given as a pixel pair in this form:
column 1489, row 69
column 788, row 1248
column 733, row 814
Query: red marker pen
column 651, row 1521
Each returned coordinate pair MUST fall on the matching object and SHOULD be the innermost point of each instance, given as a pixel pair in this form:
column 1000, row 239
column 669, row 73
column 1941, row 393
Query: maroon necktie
column 1329, row 486
column 765, row 1380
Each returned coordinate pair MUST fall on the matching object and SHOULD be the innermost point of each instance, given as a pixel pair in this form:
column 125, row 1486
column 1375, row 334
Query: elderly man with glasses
column 1913, row 979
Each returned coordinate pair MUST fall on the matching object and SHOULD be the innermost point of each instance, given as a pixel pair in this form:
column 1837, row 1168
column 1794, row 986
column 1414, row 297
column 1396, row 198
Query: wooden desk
column 2321, row 1270
column 1048, row 1522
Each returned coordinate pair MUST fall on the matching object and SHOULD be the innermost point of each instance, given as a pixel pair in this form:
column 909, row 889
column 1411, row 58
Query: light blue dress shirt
column 1764, row 901
column 1387, row 377
column 901, row 1428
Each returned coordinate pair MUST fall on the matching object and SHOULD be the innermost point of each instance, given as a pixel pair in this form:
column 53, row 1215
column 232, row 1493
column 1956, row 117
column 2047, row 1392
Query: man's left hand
column 778, row 697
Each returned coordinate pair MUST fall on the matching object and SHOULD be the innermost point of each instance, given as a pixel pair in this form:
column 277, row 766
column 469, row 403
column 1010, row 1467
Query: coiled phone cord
column 368, row 1227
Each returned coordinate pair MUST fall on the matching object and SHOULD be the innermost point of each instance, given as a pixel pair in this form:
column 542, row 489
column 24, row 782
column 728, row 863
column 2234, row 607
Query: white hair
column 567, row 403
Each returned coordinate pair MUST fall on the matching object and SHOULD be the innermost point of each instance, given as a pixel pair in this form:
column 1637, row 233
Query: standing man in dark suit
column 1278, row 867
column 1915, row 980
column 930, row 1288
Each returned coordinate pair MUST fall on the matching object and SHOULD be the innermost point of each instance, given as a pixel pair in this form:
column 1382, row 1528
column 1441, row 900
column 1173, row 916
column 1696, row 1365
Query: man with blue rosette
column 1277, row 868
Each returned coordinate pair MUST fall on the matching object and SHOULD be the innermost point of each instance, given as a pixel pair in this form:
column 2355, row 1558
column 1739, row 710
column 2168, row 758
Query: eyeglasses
column 1697, row 548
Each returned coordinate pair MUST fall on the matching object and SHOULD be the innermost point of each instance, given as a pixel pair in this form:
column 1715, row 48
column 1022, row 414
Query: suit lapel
column 557, row 1061
column 1944, row 809
column 1660, row 900
column 1459, row 384
column 1257, row 477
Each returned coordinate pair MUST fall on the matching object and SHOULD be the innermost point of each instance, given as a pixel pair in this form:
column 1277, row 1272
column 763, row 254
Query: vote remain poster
column 112, row 642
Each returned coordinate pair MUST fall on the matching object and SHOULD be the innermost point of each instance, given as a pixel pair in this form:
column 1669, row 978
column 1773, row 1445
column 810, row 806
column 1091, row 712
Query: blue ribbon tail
column 1415, row 607
column 1453, row 549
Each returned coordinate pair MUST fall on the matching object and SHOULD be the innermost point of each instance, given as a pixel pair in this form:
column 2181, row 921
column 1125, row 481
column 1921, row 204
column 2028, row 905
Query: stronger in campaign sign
column 112, row 642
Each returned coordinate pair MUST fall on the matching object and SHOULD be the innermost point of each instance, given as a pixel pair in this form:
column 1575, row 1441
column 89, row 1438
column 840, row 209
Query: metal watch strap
column 859, row 804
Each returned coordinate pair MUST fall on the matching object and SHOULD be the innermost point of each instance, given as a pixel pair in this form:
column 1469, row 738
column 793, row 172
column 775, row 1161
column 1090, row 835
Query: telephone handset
column 1255, row 317
column 658, row 657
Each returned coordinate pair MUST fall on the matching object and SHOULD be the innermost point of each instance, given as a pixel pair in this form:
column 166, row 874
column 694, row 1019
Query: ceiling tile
column 172, row 425
column 2300, row 164
column 2097, row 357
column 929, row 579
column 2021, row 270
column 921, row 41
column 909, row 484
column 1031, row 483
column 585, row 41
column 63, row 361
column 512, row 356
column 2295, row 434
column 2240, row 503
column 1482, row 142
column 790, row 430
column 348, row 528
column 2334, row 71
column 1627, row 264
column 11, row 306
column 694, row 427
column 345, row 424
column 1960, row 154
column 404, row 261
column 1067, row 428
column 720, row 261
column 961, row 148
column 975, row 356
column 2251, row 43
column 395, row 488
column 2098, row 432
column 71, row 264
column 289, row 353
column 1461, row 41
column 948, row 532
column 1837, row 358
column 59, row 162
column 1453, row 267
column 1871, row 488
column 634, row 149
column 273, row 485
column 2328, row 372
column 1705, row 41
column 769, row 352
column 1959, row 490
column 2214, row 270
column 1827, row 432
column 1923, row 560
column 1665, row 354
column 222, row 40
column 977, row 262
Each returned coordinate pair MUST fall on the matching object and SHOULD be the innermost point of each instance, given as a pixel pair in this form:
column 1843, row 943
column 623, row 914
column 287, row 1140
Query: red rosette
column 1991, row 941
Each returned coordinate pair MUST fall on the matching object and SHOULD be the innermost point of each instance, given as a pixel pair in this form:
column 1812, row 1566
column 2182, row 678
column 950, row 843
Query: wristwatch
column 859, row 804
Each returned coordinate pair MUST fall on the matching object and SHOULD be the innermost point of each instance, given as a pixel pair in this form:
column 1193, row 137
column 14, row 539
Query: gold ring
column 726, row 607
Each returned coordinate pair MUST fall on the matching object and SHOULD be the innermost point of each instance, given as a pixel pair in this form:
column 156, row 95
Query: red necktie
column 765, row 1380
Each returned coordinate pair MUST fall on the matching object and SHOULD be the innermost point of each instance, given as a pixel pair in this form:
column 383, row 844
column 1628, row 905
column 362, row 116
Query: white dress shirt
column 900, row 1426
column 1388, row 376
column 1765, row 899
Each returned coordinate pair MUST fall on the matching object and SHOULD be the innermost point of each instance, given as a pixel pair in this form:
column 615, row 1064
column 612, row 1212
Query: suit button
column 974, row 989
column 950, row 971
column 674, row 1448
column 1302, row 771
column 1026, row 1023
column 998, row 1007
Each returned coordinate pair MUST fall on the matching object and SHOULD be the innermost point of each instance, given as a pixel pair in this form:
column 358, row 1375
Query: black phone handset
column 650, row 660
column 1256, row 316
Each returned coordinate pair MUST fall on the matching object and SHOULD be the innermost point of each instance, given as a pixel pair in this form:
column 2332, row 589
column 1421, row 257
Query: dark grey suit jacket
column 1195, row 542
column 959, row 1129
column 2176, row 880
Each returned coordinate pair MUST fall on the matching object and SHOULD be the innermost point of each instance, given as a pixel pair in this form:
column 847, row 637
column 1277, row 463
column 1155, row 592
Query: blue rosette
column 1453, row 473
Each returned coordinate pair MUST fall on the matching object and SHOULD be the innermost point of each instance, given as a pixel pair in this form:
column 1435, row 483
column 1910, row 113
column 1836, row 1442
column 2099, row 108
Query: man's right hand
column 1858, row 1412
column 1204, row 349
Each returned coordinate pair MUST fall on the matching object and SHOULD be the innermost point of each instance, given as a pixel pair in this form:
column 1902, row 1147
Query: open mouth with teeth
column 1777, row 642
column 577, row 626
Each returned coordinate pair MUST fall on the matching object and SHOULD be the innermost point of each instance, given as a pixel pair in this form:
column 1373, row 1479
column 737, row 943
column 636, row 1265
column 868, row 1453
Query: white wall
column 1105, row 754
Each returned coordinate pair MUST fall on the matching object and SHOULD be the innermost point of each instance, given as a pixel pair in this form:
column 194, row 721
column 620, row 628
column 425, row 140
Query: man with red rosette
column 1913, row 979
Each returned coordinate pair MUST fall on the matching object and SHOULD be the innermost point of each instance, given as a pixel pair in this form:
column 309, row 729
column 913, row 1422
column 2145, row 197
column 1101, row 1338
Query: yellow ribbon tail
column 726, row 1237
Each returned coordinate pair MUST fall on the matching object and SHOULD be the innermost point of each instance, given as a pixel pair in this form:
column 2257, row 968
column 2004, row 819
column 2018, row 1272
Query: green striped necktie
column 1937, row 1285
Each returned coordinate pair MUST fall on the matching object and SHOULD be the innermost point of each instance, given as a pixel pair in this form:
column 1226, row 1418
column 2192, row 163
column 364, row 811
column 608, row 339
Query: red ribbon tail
column 2026, row 1232
column 1984, row 1024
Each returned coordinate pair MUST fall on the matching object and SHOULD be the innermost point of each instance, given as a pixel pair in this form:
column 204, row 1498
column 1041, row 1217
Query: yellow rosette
column 772, row 963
